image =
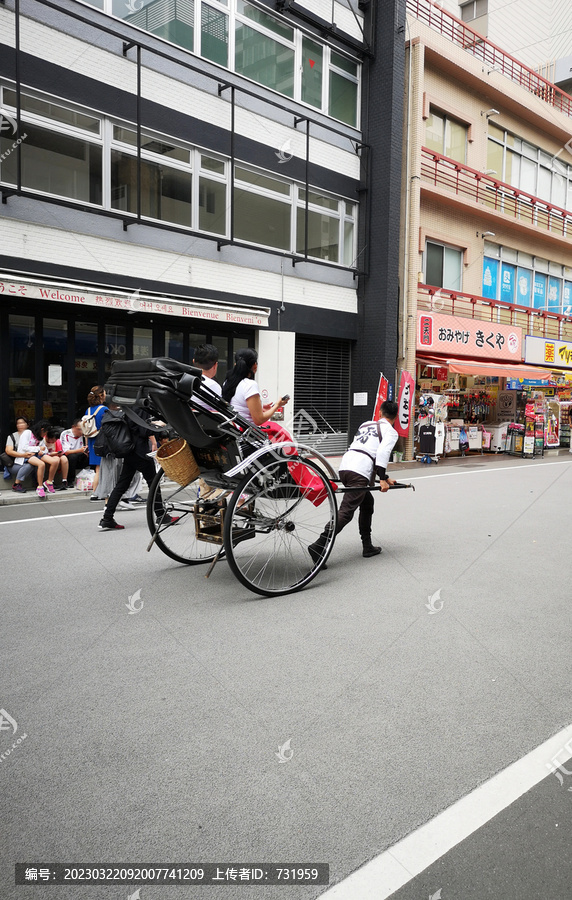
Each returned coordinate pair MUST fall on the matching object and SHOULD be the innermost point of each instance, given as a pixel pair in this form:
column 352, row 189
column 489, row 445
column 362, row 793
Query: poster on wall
column 404, row 403
column 490, row 277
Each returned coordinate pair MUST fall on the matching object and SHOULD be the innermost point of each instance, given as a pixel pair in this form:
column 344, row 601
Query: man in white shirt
column 366, row 457
column 206, row 358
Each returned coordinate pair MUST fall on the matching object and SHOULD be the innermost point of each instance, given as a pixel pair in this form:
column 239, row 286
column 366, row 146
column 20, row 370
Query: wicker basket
column 177, row 461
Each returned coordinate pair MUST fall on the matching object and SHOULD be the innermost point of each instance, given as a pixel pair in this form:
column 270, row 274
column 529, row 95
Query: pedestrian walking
column 137, row 460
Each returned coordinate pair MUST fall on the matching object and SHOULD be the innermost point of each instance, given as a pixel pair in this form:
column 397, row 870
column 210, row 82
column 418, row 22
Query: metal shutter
column 321, row 398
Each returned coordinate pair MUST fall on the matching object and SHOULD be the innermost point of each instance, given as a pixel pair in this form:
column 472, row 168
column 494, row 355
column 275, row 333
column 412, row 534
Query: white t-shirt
column 244, row 389
column 366, row 444
column 23, row 444
column 215, row 388
column 70, row 442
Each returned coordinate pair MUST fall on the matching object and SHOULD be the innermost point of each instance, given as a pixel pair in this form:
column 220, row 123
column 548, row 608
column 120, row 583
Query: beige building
column 487, row 196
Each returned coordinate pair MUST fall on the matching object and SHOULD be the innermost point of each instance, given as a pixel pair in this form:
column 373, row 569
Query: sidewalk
column 474, row 458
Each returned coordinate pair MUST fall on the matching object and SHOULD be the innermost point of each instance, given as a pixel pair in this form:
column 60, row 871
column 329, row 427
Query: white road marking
column 482, row 472
column 91, row 512
column 398, row 865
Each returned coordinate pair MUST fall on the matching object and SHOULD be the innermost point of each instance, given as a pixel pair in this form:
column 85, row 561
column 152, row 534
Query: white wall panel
column 60, row 247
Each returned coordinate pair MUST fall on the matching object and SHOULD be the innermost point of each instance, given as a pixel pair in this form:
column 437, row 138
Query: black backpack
column 115, row 437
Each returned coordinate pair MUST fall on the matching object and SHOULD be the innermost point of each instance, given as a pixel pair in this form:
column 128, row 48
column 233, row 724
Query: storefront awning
column 477, row 367
column 109, row 298
column 468, row 367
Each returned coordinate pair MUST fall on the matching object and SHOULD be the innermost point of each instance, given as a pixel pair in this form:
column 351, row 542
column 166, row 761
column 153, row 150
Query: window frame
column 109, row 143
column 231, row 11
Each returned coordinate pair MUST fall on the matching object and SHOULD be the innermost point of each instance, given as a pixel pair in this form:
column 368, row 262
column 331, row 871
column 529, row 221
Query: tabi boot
column 316, row 550
column 368, row 548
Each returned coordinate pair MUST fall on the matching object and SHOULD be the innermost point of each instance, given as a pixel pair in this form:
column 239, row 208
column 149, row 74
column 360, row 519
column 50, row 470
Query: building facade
column 175, row 172
column 487, row 206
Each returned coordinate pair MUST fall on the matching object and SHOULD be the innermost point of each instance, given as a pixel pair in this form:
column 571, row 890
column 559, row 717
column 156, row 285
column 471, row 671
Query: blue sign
column 524, row 287
column 567, row 305
column 539, row 298
column 554, row 292
column 508, row 278
column 517, row 384
column 490, row 277
column 390, row 391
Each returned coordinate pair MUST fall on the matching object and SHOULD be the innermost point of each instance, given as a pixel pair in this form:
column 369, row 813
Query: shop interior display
column 464, row 415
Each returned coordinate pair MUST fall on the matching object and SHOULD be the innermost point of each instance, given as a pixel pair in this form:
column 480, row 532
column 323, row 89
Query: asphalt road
column 402, row 683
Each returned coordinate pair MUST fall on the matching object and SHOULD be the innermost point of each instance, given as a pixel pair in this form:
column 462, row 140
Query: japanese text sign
column 406, row 399
column 544, row 352
column 457, row 336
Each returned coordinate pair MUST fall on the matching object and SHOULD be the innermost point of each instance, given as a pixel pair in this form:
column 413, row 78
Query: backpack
column 114, row 437
column 88, row 427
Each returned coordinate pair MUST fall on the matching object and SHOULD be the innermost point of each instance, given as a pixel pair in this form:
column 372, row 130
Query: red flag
column 381, row 396
column 405, row 404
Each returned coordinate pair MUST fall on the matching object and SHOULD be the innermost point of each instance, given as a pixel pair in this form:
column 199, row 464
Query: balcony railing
column 471, row 184
column 536, row 322
column 495, row 58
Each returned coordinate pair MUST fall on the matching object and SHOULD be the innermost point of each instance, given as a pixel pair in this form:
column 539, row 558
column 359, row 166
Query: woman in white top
column 241, row 390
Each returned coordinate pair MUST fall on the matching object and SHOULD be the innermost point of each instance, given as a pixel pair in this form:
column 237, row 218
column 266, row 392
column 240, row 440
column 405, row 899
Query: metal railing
column 471, row 184
column 474, row 43
column 536, row 322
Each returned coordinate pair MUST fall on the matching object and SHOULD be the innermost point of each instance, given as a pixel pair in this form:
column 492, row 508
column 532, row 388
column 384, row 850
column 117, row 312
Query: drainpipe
column 412, row 214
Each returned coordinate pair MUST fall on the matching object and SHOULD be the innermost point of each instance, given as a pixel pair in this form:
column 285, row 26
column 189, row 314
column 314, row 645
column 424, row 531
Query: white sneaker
column 123, row 504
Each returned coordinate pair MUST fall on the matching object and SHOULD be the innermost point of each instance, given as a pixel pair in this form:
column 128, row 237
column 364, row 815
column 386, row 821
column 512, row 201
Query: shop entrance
column 50, row 364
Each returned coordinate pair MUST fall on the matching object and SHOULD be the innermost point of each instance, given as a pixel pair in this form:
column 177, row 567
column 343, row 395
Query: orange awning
column 503, row 370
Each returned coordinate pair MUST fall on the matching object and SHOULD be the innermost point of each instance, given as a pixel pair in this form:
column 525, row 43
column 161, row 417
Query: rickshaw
column 227, row 491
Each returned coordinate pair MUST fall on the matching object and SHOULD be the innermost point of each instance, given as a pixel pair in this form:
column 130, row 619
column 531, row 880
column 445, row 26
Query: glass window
column 52, row 111
column 261, row 220
column 212, row 205
column 435, row 132
column 214, row 35
column 115, row 345
column 452, row 265
column 224, row 364
column 262, row 18
column 490, row 277
column 455, row 140
column 262, row 181
column 168, row 19
column 312, row 63
column 447, row 136
column 323, row 235
column 150, row 144
column 263, row 59
column 56, row 164
column 22, row 367
column 212, row 165
column 86, row 362
column 174, row 345
column 523, row 287
column 544, row 186
column 343, row 98
column 443, row 266
column 512, row 168
column 165, row 192
column 349, row 246
column 495, row 159
column 142, row 343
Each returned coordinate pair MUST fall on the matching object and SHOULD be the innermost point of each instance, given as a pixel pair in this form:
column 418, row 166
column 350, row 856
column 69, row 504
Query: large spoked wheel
column 179, row 540
column 270, row 524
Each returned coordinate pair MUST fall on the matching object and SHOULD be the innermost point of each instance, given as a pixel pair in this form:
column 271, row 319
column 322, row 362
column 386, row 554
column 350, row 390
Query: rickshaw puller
column 367, row 456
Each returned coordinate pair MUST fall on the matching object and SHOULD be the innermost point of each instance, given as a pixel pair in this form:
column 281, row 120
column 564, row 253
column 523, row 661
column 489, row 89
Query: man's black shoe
column 370, row 550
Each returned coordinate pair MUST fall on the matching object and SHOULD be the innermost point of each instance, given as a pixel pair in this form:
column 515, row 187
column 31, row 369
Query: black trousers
column 131, row 464
column 353, row 500
column 76, row 462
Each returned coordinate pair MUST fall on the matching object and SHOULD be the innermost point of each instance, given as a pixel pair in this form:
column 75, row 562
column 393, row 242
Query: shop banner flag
column 406, row 396
column 381, row 396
